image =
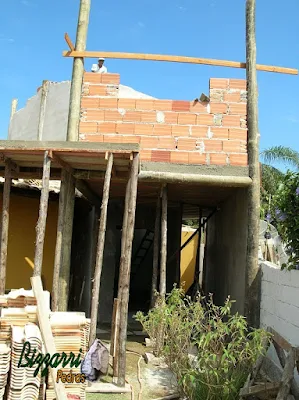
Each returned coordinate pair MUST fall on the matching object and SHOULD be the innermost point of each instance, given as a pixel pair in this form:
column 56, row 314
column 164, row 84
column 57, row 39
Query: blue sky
column 32, row 41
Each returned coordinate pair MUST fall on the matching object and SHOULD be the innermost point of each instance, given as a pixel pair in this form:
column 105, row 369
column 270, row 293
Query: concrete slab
column 101, row 387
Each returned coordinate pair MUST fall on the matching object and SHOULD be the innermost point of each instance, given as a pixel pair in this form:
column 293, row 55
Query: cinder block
column 180, row 105
column 233, row 121
column 132, row 116
column 219, row 108
column 218, row 159
column 233, row 97
column 149, row 142
column 107, row 127
column 145, row 104
column 89, row 102
column 219, row 133
column 171, row 117
column 234, row 146
column 237, row 108
column 238, row 159
column 163, row 105
column 186, row 144
column 144, row 129
column 237, row 84
column 197, row 159
column 213, row 145
column 187, row 119
column 160, row 156
column 127, row 104
column 235, row 133
column 167, row 143
column 108, row 102
column 162, row 130
column 125, row 128
column 98, row 90
column 88, row 127
column 148, row 116
column 219, row 83
column 180, row 130
column 112, row 115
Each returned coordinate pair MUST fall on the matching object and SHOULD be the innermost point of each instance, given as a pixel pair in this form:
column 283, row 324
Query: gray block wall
column 24, row 123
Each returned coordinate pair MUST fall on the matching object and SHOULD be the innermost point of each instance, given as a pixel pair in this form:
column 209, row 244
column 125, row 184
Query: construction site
column 97, row 181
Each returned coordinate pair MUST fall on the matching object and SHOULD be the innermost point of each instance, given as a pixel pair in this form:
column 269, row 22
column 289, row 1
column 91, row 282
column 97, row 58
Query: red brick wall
column 169, row 130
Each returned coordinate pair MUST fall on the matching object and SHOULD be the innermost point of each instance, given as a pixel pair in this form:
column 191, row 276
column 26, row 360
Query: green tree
column 272, row 177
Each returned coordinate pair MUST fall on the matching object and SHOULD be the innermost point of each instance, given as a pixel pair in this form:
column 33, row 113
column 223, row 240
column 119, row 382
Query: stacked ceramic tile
column 5, row 332
column 70, row 331
column 4, row 367
column 23, row 384
column 20, row 298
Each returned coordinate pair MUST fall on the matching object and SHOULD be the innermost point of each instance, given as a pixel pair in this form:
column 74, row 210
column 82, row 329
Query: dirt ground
column 155, row 381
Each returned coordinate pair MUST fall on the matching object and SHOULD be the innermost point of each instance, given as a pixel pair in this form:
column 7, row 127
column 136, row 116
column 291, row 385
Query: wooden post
column 46, row 332
column 64, row 276
column 4, row 227
column 42, row 112
column 198, row 254
column 125, row 265
column 114, row 346
column 14, row 105
column 252, row 306
column 42, row 219
column 78, row 71
column 156, row 251
column 100, row 252
column 163, row 242
column 59, row 240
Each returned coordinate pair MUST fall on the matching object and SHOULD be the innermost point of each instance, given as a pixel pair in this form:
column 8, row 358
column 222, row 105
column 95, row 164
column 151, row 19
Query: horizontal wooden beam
column 178, row 59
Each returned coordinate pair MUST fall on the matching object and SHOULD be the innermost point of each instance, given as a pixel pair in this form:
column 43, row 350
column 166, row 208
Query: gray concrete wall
column 226, row 251
column 24, row 124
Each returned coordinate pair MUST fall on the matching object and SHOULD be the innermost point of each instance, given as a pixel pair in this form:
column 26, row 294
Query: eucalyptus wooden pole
column 100, row 252
column 125, row 266
column 156, row 251
column 4, row 227
column 198, row 253
column 78, row 71
column 252, row 305
column 163, row 243
column 59, row 240
column 42, row 219
column 65, row 270
column 42, row 112
column 14, row 105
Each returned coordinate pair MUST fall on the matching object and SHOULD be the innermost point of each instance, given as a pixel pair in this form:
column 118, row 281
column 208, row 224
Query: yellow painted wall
column 21, row 241
column 188, row 259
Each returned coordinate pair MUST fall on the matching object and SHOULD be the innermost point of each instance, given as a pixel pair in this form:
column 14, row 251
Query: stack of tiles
column 71, row 334
column 4, row 367
column 23, row 384
column 5, row 332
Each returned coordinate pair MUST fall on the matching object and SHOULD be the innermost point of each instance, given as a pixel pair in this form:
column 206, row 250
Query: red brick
column 144, row 104
column 88, row 127
column 186, row 144
column 146, row 155
column 95, row 115
column 171, row 117
column 180, row 105
column 232, row 97
column 162, row 130
column 125, row 128
column 149, row 142
column 144, row 129
column 180, row 130
column 213, row 145
column 109, row 102
column 111, row 115
column 219, row 108
column 231, row 120
column 218, row 159
column 127, row 104
column 219, row 133
column 130, row 139
column 238, row 159
column 112, row 139
column 237, row 108
column 93, row 138
column 132, row 116
column 218, row 83
column 199, row 131
column 90, row 102
column 163, row 105
column 160, row 156
column 107, row 127
column 237, row 84
column 240, row 134
column 166, row 143
column 97, row 90
column 205, row 119
column 149, row 116
column 234, row 146
column 91, row 77
column 180, row 157
column 197, row 158
column 111, row 78
column 187, row 119
column 198, row 107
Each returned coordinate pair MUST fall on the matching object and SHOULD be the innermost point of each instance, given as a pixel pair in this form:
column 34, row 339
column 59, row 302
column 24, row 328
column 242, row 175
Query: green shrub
column 226, row 349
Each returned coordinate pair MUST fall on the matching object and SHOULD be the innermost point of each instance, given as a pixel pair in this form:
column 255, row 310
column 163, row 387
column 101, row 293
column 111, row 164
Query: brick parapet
column 212, row 133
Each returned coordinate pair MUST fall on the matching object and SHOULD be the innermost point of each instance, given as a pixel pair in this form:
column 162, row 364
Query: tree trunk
column 163, row 272
column 252, row 285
